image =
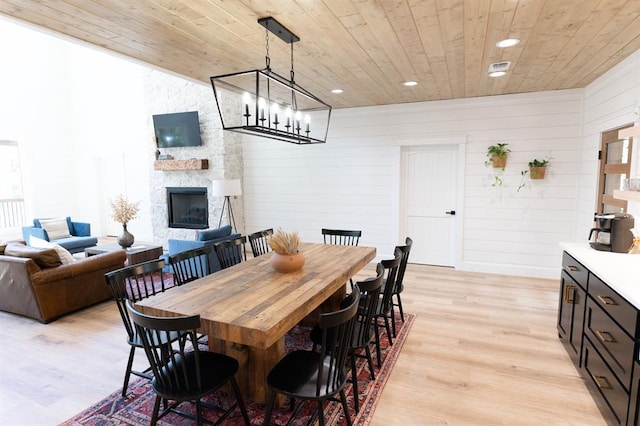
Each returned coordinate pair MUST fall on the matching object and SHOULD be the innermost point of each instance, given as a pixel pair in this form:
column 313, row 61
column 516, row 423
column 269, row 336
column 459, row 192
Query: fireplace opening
column 188, row 208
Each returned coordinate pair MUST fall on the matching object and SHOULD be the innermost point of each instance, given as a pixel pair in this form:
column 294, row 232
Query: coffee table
column 137, row 253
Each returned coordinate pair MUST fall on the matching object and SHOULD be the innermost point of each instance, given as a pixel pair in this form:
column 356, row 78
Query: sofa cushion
column 212, row 234
column 63, row 253
column 56, row 228
column 44, row 257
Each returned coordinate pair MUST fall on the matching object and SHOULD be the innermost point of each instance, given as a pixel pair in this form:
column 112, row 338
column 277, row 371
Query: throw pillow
column 212, row 234
column 44, row 258
column 63, row 253
column 56, row 228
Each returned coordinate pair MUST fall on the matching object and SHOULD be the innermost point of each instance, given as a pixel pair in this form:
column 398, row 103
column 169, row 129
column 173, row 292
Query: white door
column 430, row 202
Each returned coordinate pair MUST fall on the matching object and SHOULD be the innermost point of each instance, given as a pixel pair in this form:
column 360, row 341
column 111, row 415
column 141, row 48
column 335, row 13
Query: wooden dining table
column 247, row 309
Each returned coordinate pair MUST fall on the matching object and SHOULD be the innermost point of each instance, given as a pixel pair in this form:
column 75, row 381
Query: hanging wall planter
column 538, row 168
column 497, row 155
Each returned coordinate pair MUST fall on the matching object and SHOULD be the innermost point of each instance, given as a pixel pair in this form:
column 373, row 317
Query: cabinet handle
column 605, row 336
column 569, row 292
column 601, row 381
column 607, row 300
column 573, row 268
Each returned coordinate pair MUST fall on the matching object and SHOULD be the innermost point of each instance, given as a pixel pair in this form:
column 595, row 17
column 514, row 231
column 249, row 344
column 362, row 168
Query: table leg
column 255, row 364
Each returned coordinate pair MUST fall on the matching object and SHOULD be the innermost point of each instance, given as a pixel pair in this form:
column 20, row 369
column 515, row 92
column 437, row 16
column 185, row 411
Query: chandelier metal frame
column 264, row 103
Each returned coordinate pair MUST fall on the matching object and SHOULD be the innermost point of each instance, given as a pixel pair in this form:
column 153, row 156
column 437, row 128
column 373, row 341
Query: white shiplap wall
column 609, row 103
column 353, row 181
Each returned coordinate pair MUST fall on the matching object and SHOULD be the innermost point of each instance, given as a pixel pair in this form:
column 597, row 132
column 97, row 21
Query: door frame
column 430, row 142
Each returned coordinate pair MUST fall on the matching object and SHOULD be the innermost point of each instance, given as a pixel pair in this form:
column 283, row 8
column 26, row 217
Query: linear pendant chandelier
column 263, row 103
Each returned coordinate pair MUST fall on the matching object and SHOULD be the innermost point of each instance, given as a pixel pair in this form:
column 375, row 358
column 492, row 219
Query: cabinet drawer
column 574, row 268
column 604, row 381
column 613, row 304
column 613, row 344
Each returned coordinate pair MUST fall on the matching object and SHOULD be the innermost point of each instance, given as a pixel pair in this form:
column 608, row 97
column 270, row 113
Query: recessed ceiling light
column 410, row 83
column 337, row 91
column 508, row 42
column 497, row 74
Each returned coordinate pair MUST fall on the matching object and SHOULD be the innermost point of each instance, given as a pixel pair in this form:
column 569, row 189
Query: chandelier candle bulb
column 287, row 114
column 307, row 120
column 276, row 110
column 261, row 106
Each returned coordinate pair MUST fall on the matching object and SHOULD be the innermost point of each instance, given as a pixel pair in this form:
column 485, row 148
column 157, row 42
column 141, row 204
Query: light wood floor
column 483, row 351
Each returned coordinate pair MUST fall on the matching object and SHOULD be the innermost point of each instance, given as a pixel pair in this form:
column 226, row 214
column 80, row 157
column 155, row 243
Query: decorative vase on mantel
column 125, row 239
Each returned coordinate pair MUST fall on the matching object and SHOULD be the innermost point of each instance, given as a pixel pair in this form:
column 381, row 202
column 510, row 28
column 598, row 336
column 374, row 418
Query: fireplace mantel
column 194, row 164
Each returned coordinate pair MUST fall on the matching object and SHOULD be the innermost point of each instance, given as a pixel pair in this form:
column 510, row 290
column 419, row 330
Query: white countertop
column 620, row 271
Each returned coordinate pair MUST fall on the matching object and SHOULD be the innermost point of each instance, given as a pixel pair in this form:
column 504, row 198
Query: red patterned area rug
column 137, row 407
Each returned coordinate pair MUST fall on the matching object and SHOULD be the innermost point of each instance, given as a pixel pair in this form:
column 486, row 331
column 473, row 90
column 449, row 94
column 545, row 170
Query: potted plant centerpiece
column 497, row 155
column 538, row 168
column 285, row 256
column 123, row 211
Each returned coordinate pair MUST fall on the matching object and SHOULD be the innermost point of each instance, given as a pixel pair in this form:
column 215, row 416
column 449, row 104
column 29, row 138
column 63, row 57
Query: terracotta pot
column 287, row 262
column 537, row 172
column 499, row 161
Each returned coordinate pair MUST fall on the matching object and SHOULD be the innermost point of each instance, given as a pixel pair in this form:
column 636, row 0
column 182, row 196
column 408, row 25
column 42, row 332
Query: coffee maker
column 613, row 232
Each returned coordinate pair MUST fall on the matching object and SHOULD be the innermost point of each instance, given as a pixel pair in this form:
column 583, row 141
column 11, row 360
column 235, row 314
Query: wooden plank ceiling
column 365, row 47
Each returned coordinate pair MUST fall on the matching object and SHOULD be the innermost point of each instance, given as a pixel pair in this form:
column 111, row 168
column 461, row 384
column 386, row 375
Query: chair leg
column 127, row 373
column 270, row 403
column 386, row 325
column 321, row 412
column 243, row 409
column 377, row 334
column 400, row 307
column 370, row 362
column 393, row 319
column 156, row 409
column 347, row 415
column 354, row 382
column 198, row 412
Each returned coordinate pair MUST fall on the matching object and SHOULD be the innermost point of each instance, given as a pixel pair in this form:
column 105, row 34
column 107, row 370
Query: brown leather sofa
column 34, row 283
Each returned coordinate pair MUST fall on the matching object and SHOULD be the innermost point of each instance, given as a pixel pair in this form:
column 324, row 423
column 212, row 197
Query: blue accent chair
column 79, row 240
column 204, row 238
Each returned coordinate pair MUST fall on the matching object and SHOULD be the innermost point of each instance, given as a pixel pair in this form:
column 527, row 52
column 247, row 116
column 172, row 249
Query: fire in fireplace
column 188, row 208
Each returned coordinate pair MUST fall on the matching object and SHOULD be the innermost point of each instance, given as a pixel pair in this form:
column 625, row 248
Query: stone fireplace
column 222, row 152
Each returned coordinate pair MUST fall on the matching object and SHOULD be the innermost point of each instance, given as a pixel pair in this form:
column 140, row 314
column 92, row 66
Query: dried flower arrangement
column 122, row 210
column 284, row 242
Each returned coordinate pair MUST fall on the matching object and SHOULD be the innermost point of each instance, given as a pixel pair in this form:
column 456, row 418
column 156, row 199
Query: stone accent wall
column 164, row 94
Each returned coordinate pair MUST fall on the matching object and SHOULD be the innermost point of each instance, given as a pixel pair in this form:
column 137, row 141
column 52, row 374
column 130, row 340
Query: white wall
column 609, row 103
column 353, row 180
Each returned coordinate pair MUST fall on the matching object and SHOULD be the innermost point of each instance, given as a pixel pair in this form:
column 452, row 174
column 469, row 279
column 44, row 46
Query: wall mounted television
column 177, row 129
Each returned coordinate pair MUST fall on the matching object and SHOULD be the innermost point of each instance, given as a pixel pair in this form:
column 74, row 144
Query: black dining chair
column 319, row 376
column 384, row 306
column 134, row 283
column 181, row 371
column 191, row 264
column 361, row 338
column 341, row 236
column 231, row 252
column 260, row 242
column 344, row 237
column 399, row 286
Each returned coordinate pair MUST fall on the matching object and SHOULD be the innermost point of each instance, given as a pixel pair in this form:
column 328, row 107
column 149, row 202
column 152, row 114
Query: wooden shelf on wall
column 627, row 195
column 195, row 164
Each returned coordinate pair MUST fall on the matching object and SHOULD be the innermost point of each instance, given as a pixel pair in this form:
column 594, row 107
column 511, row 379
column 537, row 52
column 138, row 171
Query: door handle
column 452, row 212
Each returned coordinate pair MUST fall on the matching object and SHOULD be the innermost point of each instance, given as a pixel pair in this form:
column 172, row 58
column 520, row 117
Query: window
column 11, row 195
column 615, row 166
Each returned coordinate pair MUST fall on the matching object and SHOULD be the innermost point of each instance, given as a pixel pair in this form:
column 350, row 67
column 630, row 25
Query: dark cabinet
column 571, row 308
column 599, row 329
